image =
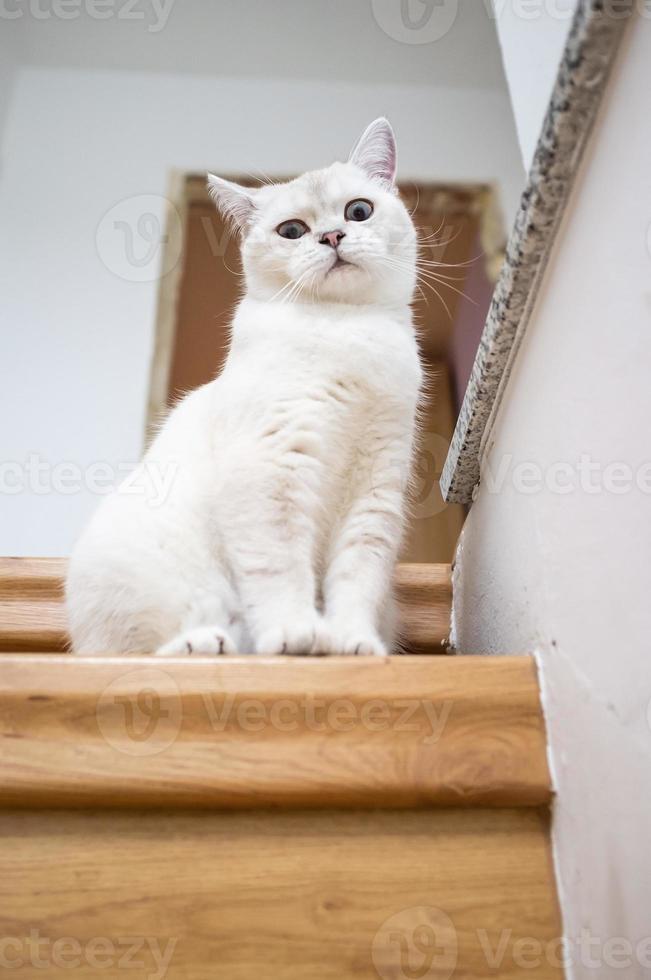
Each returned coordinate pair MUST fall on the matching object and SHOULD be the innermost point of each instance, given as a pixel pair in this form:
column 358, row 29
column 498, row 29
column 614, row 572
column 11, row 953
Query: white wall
column 77, row 339
column 532, row 37
column 12, row 55
column 568, row 574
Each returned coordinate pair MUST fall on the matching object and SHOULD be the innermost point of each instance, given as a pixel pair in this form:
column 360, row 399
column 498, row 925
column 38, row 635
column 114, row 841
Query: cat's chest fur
column 345, row 358
column 310, row 396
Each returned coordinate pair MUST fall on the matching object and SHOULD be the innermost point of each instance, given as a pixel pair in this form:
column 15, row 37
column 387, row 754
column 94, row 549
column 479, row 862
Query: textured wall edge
column 589, row 54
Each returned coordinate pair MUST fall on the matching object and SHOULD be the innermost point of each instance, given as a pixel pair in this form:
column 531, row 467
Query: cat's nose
column 332, row 238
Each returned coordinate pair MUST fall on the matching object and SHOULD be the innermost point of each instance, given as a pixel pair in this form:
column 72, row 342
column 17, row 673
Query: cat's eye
column 359, row 210
column 292, row 229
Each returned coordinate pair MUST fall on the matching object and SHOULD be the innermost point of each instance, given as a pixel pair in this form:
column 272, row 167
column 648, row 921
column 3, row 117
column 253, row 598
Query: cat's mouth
column 340, row 263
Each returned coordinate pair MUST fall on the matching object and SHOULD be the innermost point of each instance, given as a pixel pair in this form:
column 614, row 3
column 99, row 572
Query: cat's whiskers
column 288, row 285
column 432, row 234
column 432, row 277
column 423, row 270
column 427, row 278
column 415, row 207
column 292, row 289
column 297, row 287
column 436, row 292
column 293, row 292
column 441, row 275
column 261, row 176
column 435, row 263
column 432, row 240
column 395, row 264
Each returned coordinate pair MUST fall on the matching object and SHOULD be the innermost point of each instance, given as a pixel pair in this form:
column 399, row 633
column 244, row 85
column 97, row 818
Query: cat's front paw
column 302, row 636
column 202, row 641
column 356, row 642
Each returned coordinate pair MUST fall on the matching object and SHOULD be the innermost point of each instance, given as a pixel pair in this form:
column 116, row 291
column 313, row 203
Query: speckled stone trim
column 594, row 37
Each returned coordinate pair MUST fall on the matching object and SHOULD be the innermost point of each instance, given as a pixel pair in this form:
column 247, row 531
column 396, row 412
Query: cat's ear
column 234, row 202
column 375, row 152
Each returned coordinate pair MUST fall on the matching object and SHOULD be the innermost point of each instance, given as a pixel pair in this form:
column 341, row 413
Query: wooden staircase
column 277, row 818
column 32, row 617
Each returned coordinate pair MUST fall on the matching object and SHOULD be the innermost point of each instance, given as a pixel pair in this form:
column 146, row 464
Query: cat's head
column 340, row 234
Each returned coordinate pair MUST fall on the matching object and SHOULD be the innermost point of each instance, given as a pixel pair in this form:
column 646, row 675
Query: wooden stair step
column 304, row 818
column 33, row 620
column 379, row 895
column 402, row 732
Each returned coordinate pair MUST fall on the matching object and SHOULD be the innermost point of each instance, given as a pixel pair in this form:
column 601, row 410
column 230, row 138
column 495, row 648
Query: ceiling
column 335, row 40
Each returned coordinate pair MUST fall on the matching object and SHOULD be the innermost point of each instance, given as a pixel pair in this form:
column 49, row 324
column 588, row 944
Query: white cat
column 283, row 520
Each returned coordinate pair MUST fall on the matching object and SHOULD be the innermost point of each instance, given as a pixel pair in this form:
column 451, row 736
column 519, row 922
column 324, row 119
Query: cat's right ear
column 375, row 152
column 234, row 202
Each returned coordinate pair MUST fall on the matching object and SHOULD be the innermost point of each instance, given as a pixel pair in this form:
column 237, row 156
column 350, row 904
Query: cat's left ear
column 375, row 152
column 234, row 202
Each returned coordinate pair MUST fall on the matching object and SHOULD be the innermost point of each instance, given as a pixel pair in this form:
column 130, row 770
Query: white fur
column 287, row 473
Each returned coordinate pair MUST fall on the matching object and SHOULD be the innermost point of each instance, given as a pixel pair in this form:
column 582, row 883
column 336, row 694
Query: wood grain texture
column 32, row 614
column 425, row 597
column 248, row 732
column 280, row 896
